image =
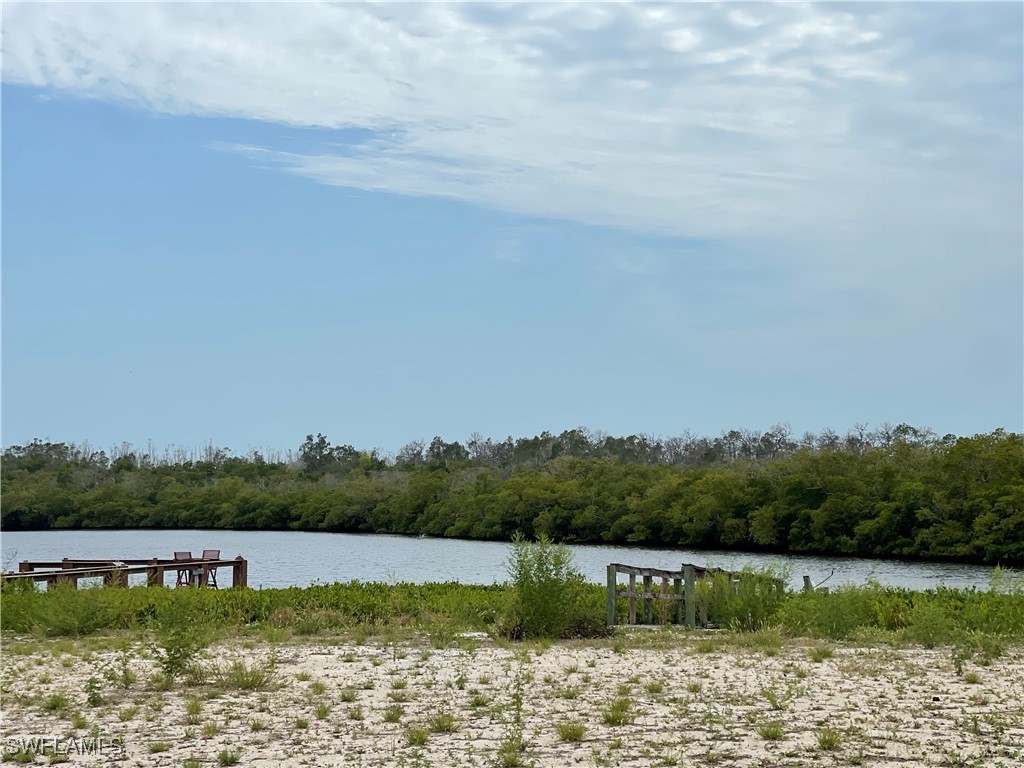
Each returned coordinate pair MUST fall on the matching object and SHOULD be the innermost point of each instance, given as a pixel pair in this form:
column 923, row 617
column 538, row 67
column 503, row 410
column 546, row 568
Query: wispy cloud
column 842, row 134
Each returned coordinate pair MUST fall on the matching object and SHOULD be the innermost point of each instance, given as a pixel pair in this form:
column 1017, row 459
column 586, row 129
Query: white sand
column 889, row 707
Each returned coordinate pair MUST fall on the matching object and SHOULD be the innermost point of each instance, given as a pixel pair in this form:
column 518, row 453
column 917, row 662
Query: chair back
column 182, row 555
column 211, row 554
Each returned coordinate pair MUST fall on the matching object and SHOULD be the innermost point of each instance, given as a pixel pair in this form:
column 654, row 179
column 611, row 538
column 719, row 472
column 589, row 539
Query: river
column 292, row 558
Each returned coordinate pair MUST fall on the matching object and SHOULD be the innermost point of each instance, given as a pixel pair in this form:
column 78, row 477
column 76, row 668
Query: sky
column 240, row 224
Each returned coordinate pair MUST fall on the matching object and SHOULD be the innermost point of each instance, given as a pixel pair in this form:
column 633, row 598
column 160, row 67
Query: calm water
column 290, row 558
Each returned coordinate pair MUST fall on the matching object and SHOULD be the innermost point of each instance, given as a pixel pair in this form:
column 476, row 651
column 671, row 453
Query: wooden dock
column 681, row 605
column 195, row 572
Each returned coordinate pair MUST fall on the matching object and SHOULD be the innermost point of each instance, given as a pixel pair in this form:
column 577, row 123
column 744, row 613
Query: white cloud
column 796, row 124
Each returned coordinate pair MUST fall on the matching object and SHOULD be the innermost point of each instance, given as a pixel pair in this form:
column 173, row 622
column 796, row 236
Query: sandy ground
column 692, row 701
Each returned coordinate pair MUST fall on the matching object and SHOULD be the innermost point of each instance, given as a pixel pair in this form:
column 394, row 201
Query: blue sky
column 245, row 223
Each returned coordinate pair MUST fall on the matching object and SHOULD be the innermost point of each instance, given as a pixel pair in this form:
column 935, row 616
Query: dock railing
column 115, row 572
column 677, row 600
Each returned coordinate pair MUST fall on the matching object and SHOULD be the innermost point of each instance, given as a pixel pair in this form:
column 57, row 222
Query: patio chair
column 211, row 573
column 184, row 574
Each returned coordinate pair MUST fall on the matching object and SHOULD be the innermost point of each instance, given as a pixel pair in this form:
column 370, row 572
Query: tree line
column 889, row 492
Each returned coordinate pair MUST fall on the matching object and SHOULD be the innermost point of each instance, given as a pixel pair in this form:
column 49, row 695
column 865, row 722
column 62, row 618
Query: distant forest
column 888, row 492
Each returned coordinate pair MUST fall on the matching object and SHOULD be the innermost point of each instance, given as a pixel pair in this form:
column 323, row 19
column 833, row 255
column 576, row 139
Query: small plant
column 821, row 652
column 572, row 731
column 193, row 711
column 618, row 712
column 256, row 724
column 777, row 701
column 322, row 710
column 158, row 746
column 303, row 677
column 972, row 678
column 829, row 739
column 348, row 695
column 192, row 762
column 93, row 697
column 655, row 686
column 128, row 713
column 355, row 713
column 56, row 702
column 228, row 757
column 443, row 722
column 238, row 674
column 770, row 731
column 394, row 713
column 317, row 688
column 301, row 723
column 211, row 729
column 416, row 737
column 694, row 687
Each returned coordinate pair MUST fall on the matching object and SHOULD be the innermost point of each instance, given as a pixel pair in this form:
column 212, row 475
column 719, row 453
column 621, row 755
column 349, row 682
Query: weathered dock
column 683, row 606
column 192, row 572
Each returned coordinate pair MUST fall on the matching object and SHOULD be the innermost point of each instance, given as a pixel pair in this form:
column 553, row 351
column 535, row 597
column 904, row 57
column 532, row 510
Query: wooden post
column 691, row 597
column 154, row 574
column 632, row 598
column 613, row 586
column 808, row 587
column 115, row 577
column 240, row 573
column 648, row 599
column 677, row 590
column 71, row 581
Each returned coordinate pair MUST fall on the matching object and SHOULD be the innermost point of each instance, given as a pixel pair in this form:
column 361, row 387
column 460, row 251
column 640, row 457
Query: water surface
column 294, row 558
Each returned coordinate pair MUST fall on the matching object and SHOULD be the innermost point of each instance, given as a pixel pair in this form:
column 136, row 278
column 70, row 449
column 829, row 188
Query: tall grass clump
column 550, row 597
column 745, row 601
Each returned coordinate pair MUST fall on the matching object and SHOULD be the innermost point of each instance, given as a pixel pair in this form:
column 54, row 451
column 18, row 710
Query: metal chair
column 184, row 574
column 211, row 573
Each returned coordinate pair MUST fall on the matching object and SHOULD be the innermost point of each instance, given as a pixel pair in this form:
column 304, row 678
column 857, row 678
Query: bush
column 550, row 597
column 749, row 603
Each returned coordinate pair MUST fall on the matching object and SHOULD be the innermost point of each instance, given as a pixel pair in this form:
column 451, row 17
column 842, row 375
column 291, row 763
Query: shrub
column 550, row 597
column 748, row 602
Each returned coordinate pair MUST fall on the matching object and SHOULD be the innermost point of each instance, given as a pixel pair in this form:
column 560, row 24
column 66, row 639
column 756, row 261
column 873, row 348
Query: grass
column 829, row 739
column 228, row 757
column 393, row 713
column 618, row 712
column 819, row 653
column 416, row 737
column 247, row 677
column 771, row 731
column 572, row 731
column 443, row 722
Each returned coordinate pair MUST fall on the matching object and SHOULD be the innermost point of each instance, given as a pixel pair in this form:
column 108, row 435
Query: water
column 292, row 558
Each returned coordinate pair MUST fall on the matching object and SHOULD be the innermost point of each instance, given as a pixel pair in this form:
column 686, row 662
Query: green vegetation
column 550, row 597
column 973, row 621
column 894, row 492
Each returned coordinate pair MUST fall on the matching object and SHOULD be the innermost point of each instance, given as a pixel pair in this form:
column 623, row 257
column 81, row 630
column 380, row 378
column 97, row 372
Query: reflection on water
column 291, row 558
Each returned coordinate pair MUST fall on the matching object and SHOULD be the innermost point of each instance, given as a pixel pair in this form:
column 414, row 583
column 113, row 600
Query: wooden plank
column 653, row 595
column 632, row 598
column 691, row 596
column 677, row 594
column 648, row 603
column 655, row 572
column 613, row 589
